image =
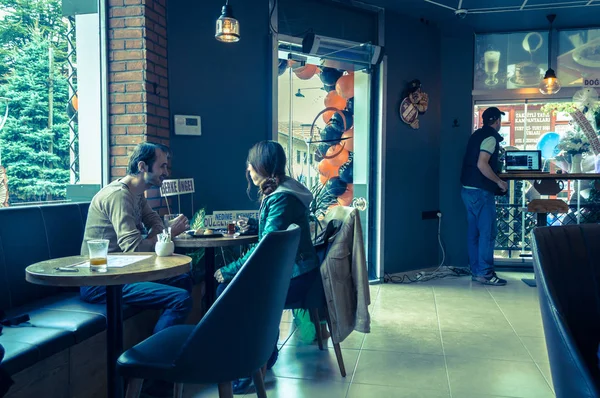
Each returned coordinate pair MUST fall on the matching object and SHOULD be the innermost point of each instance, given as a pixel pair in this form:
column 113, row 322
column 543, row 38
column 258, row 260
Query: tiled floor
column 443, row 338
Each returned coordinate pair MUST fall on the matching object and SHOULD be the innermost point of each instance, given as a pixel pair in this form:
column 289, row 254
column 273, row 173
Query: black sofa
column 567, row 267
column 58, row 318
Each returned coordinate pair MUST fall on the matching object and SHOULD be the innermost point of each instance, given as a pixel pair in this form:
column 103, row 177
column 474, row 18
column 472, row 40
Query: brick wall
column 137, row 81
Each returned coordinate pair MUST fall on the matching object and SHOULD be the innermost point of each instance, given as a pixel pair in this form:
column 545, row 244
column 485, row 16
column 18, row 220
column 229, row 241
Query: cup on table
column 169, row 219
column 164, row 249
column 98, row 249
column 231, row 228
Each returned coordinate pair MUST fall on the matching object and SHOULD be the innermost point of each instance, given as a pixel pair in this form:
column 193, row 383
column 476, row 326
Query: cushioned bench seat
column 27, row 345
column 59, row 319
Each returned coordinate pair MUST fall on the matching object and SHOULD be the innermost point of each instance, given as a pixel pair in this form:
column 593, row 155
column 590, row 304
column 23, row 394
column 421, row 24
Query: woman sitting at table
column 284, row 201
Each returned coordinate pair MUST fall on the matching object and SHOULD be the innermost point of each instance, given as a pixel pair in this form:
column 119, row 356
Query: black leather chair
column 567, row 267
column 235, row 337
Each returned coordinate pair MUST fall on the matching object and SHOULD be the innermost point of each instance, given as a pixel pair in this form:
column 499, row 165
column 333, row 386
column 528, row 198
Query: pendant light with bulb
column 550, row 84
column 228, row 28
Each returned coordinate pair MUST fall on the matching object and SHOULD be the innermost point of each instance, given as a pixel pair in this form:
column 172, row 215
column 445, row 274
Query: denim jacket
column 288, row 204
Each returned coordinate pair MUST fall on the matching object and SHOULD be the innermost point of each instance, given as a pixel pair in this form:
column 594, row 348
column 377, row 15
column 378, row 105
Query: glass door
column 324, row 125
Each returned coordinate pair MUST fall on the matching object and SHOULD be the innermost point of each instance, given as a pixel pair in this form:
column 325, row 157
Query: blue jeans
column 172, row 295
column 481, row 232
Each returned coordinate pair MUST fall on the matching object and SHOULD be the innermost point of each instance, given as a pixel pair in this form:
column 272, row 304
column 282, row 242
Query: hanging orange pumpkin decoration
column 345, row 86
column 333, row 100
column 348, row 139
column 305, row 72
column 339, row 159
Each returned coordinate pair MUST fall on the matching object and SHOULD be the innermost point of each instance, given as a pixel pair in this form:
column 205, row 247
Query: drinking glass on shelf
column 98, row 249
column 492, row 63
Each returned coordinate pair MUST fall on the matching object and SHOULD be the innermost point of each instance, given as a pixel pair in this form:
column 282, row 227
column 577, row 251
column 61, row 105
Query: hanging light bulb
column 550, row 84
column 228, row 28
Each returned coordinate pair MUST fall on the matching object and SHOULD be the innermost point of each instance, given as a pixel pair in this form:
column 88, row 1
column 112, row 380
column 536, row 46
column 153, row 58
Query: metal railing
column 515, row 223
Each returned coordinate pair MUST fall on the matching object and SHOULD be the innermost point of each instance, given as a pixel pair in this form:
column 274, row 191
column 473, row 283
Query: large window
column 550, row 128
column 50, row 105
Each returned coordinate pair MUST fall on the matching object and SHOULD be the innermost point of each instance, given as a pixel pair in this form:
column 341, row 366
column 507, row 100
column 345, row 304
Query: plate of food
column 203, row 233
column 588, row 54
column 526, row 74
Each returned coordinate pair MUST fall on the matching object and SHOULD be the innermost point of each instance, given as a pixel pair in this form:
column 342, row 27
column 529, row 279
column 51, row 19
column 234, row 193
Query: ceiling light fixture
column 550, row 84
column 228, row 28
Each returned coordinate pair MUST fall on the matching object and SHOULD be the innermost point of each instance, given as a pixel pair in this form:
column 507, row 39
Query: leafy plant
column 197, row 255
column 574, row 143
column 198, row 219
column 567, row 107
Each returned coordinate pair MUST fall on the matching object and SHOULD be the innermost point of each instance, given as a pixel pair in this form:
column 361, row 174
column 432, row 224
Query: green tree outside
column 34, row 142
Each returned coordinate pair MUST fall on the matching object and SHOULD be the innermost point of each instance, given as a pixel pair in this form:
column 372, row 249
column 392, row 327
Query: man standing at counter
column 480, row 183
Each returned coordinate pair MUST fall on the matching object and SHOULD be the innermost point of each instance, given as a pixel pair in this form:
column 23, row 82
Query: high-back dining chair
column 235, row 337
column 567, row 268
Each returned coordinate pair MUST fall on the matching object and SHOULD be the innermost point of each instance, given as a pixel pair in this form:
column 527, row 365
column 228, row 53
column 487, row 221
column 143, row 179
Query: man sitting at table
column 119, row 213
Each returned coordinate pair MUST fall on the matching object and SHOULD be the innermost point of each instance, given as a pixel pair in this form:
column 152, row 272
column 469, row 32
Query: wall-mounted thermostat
column 187, row 125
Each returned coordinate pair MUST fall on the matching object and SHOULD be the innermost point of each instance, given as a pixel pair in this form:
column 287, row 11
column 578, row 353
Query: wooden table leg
column 114, row 339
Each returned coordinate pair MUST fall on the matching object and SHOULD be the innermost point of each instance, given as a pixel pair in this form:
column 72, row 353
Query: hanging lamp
column 228, row 28
column 550, row 84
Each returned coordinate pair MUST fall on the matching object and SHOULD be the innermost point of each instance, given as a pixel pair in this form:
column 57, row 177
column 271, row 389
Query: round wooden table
column 147, row 269
column 209, row 245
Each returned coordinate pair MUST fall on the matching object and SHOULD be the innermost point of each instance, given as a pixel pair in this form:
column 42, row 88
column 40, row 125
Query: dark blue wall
column 457, row 78
column 411, row 156
column 228, row 85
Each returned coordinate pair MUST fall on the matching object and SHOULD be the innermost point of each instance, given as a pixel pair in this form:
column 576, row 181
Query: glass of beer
column 98, row 249
column 492, row 63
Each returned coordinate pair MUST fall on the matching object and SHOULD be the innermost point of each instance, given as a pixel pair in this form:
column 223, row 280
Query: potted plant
column 574, row 144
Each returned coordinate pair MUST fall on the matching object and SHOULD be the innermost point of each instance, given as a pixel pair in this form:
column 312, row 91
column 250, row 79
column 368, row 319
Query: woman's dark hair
column 267, row 158
column 145, row 152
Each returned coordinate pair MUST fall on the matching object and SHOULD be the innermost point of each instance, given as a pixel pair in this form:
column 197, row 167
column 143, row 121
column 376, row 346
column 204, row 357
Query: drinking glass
column 492, row 62
column 98, row 249
column 168, row 220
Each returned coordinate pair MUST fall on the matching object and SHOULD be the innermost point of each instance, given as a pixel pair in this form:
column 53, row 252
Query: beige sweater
column 120, row 216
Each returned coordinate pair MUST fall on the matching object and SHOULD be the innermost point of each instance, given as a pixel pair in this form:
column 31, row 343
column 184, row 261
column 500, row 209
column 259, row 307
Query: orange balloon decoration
column 327, row 115
column 75, row 102
column 333, row 100
column 339, row 159
column 328, row 169
column 306, row 72
column 346, row 198
column 345, row 86
column 349, row 142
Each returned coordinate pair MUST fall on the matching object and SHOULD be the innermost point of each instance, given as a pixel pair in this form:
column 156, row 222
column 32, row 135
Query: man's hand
column 219, row 276
column 179, row 225
column 503, row 185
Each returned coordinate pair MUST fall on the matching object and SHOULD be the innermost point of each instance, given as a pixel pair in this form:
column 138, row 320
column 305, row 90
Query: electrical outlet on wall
column 430, row 215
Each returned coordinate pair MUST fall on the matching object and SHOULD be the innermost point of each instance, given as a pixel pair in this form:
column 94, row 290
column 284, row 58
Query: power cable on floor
column 442, row 271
